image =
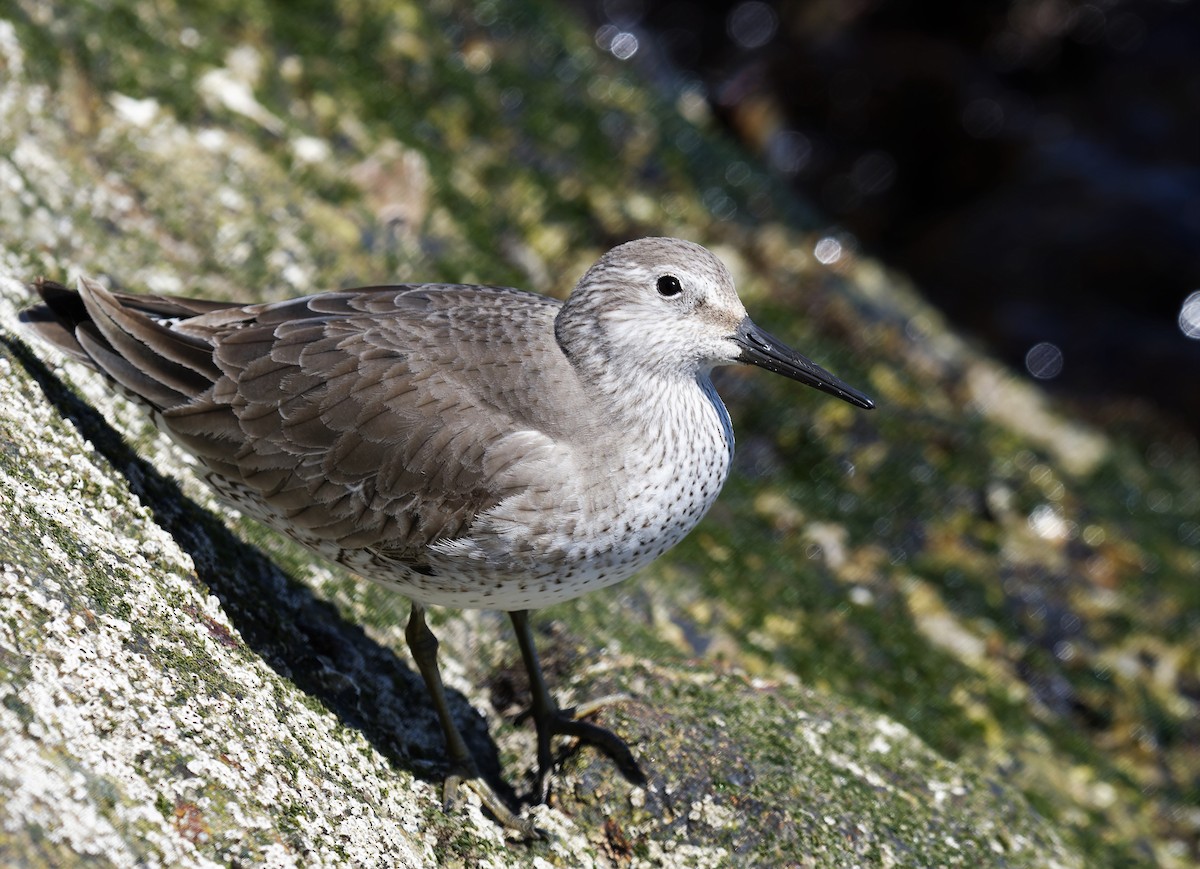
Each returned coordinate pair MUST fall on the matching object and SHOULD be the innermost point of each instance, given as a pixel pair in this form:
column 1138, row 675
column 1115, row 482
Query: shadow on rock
column 303, row 638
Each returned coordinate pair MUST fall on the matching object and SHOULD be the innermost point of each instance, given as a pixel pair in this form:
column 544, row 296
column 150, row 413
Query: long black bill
column 761, row 348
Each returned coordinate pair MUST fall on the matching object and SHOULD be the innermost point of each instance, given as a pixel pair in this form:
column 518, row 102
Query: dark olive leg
column 551, row 721
column 424, row 646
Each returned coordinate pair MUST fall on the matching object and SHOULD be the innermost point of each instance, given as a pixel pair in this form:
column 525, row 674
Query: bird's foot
column 491, row 801
column 551, row 721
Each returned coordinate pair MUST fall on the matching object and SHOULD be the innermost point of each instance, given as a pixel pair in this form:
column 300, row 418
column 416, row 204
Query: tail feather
column 189, row 351
column 124, row 337
column 110, row 362
column 55, row 319
column 144, row 349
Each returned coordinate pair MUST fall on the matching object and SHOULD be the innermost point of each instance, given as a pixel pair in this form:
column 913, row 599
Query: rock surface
column 957, row 631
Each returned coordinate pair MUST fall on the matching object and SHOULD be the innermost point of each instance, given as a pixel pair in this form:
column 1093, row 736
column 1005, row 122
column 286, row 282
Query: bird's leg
column 550, row 720
column 424, row 646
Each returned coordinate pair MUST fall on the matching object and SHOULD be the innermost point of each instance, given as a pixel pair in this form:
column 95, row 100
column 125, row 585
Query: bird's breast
column 603, row 508
column 637, row 488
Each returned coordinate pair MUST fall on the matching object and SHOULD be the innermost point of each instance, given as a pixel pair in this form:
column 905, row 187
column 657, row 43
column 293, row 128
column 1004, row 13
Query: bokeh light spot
column 789, row 151
column 1189, row 316
column 621, row 44
column 828, row 250
column 1044, row 361
column 752, row 24
column 624, row 46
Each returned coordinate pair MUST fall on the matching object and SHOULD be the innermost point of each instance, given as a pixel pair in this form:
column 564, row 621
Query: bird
column 467, row 446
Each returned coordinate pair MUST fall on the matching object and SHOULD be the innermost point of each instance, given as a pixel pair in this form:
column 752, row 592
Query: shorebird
column 467, row 446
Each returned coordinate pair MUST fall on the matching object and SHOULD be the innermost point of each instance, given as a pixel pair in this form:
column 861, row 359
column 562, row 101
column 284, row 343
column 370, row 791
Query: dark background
column 1034, row 166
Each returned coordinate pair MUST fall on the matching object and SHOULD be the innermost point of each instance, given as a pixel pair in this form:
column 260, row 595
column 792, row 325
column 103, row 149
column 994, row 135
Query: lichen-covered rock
column 959, row 630
column 171, row 697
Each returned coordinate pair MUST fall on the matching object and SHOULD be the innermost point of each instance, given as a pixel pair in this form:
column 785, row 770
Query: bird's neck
column 653, row 399
column 668, row 421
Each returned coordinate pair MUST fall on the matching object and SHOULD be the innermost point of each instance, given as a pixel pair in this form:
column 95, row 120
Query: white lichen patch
column 671, row 854
column 712, row 813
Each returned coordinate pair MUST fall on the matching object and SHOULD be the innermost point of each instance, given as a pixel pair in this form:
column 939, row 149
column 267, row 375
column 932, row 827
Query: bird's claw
column 451, row 798
column 554, row 721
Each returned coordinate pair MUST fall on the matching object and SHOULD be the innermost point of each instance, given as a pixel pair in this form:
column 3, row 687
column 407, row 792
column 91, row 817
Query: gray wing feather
column 360, row 417
column 366, row 418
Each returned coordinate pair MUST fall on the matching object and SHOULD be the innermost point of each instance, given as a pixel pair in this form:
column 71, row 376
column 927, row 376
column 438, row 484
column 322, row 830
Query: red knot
column 467, row 446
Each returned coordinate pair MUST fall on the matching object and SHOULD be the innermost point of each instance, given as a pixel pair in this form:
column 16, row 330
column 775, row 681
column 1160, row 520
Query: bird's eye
column 668, row 286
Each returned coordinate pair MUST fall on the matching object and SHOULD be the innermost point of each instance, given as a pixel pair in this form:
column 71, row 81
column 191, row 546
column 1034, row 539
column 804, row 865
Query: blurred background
column 1033, row 164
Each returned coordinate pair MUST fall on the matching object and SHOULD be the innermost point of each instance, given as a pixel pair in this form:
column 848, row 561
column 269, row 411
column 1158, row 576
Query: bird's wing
column 386, row 417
